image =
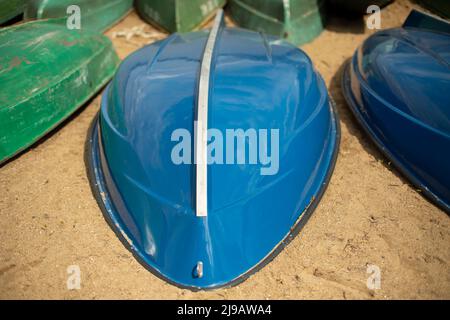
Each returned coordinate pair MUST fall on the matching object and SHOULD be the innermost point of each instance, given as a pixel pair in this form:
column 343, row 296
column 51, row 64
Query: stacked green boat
column 46, row 72
column 95, row 15
column 178, row 15
column 299, row 21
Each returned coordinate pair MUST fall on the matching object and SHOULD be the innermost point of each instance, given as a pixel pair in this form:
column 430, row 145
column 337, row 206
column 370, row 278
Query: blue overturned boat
column 210, row 152
column 397, row 85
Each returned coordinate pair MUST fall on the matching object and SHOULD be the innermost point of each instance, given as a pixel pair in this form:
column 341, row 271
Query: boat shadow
column 345, row 24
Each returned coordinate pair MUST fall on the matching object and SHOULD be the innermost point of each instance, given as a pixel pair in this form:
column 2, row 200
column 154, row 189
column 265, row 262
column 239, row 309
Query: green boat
column 298, row 21
column 95, row 15
column 10, row 9
column 178, row 15
column 441, row 7
column 46, row 73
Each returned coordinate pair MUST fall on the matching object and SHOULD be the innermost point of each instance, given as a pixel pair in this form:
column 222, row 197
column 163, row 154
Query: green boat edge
column 298, row 31
column 101, row 77
column 165, row 28
column 115, row 10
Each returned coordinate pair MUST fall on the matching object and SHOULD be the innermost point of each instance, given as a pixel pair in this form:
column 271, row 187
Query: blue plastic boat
column 398, row 85
column 201, row 224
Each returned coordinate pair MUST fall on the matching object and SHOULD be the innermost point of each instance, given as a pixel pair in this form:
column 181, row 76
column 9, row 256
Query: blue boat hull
column 397, row 86
column 255, row 82
column 104, row 192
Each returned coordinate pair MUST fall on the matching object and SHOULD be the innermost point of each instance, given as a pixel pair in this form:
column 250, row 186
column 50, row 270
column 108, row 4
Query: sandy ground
column 369, row 215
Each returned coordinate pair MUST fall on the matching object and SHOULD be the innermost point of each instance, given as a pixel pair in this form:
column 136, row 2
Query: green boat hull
column 178, row 15
column 46, row 73
column 96, row 15
column 10, row 9
column 441, row 7
column 298, row 21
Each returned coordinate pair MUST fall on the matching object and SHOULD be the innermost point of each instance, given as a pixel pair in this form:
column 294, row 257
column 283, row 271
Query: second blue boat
column 398, row 85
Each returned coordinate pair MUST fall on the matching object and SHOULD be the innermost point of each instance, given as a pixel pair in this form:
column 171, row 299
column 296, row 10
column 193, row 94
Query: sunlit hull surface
column 255, row 83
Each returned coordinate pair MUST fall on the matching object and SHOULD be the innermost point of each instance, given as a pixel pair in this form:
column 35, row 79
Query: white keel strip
column 201, row 141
